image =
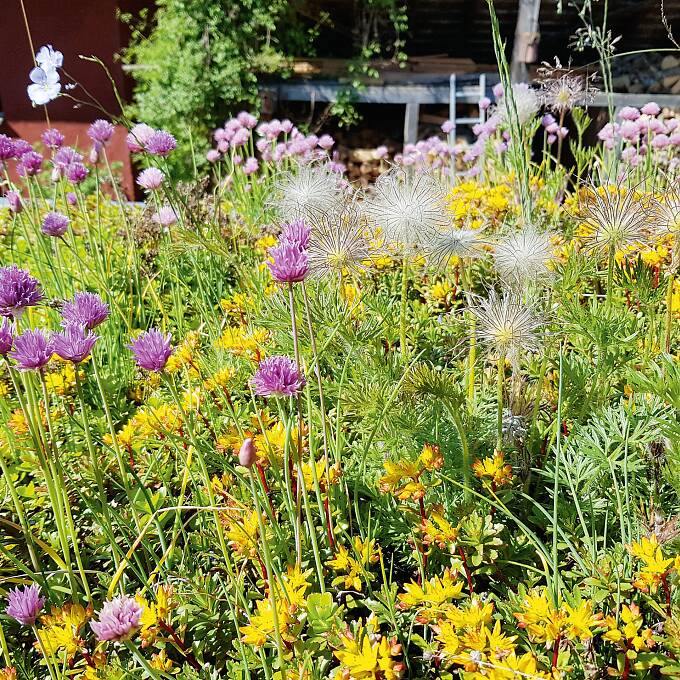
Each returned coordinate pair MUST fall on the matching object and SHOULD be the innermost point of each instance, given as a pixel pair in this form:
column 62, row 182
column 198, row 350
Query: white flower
column 408, row 206
column 523, row 256
column 49, row 59
column 45, row 86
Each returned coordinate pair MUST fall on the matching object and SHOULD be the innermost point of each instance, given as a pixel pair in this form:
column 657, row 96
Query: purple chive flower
column 65, row 157
column 651, row 109
column 24, row 604
column 326, row 142
column 7, row 148
column 71, row 198
column 55, row 224
column 250, row 166
column 160, row 143
column 277, row 376
column 30, row 164
column 101, row 131
column 297, row 233
column 165, row 216
column 32, row 350
column 76, row 173
column 18, row 290
column 152, row 350
column 14, row 200
column 74, row 343
column 150, row 179
column 52, row 138
column 138, row 136
column 118, row 619
column 6, row 337
column 85, row 309
column 290, row 263
column 247, row 119
column 213, row 156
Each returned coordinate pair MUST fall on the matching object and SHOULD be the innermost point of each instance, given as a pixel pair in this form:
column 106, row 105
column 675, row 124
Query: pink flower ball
column 660, row 141
column 651, row 109
column 629, row 113
column 448, row 126
column 213, row 156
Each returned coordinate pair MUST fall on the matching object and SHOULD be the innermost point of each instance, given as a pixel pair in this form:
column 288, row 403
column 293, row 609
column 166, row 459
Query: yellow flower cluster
column 655, row 566
column 353, row 568
column 403, row 477
column 368, row 655
column 289, row 595
column 433, row 598
column 546, row 623
column 243, row 342
column 493, row 471
column 475, row 204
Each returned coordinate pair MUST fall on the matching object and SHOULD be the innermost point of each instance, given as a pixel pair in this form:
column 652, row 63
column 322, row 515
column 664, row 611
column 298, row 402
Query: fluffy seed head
column 307, row 191
column 407, row 206
column 506, row 326
column 523, row 256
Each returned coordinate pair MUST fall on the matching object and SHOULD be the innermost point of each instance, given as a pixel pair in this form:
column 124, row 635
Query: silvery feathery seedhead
column 338, row 243
column 618, row 218
column 562, row 88
column 408, row 207
column 308, row 190
column 441, row 246
column 526, row 104
column 523, row 256
column 506, row 326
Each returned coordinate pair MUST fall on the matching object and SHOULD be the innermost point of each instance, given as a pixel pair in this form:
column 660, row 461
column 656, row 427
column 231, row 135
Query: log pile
column 647, row 73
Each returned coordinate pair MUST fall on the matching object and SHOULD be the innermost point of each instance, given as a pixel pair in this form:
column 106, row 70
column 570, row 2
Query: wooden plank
column 629, row 99
column 417, row 93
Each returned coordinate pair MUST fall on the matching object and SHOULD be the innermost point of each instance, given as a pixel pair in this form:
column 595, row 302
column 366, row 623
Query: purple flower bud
column 32, row 350
column 484, row 103
column 247, row 119
column 150, row 179
column 213, row 156
column 165, row 216
column 326, row 142
column 160, row 143
column 296, row 233
column 76, row 173
column 14, row 200
column 250, row 166
column 118, row 619
column 21, row 146
column 7, row 148
column 24, row 604
column 52, row 138
column 74, row 343
column 55, row 224
column 100, row 131
column 629, row 113
column 246, row 454
column 30, row 164
column 289, row 263
column 71, row 198
column 651, row 109
column 138, row 137
column 277, row 376
column 85, row 309
column 151, row 349
column 18, row 290
column 6, row 336
column 448, row 126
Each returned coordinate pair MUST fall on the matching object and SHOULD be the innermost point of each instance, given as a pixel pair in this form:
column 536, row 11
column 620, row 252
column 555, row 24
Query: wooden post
column 525, row 48
column 411, row 122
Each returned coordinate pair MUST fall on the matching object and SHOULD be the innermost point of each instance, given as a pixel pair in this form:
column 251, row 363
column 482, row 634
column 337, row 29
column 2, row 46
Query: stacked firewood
column 647, row 72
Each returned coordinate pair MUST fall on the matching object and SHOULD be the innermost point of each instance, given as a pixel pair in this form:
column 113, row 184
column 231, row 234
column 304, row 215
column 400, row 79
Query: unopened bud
column 246, row 454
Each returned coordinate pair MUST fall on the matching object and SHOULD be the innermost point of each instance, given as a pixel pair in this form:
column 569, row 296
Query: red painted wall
column 74, row 27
